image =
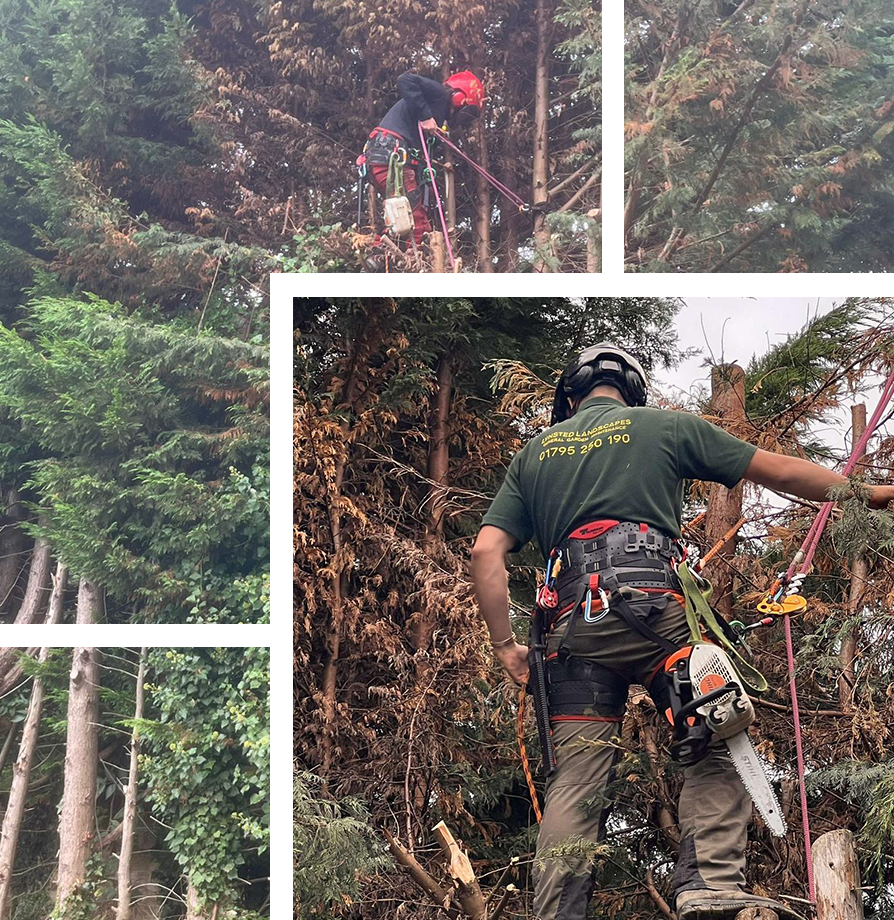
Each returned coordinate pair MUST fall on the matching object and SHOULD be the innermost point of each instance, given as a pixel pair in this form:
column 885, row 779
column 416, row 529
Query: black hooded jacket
column 420, row 99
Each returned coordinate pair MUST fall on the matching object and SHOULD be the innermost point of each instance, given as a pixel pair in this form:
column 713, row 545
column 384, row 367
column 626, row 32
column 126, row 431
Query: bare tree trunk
column 38, row 579
column 438, row 450
column 130, row 802
column 12, row 545
column 540, row 189
column 859, row 574
column 483, row 206
column 724, row 505
column 329, row 680
column 77, row 819
column 594, row 248
column 18, row 792
column 193, row 911
column 837, row 873
column 89, row 602
column 438, row 252
column 16, row 673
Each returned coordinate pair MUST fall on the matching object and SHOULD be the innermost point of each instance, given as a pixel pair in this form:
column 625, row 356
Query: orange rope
column 695, row 521
column 715, row 549
column 523, row 753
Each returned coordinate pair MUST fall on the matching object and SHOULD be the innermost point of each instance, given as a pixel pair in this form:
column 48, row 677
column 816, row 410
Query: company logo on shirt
column 579, row 443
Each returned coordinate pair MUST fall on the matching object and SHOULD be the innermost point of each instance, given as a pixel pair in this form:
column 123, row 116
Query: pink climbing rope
column 507, row 193
column 801, row 564
column 434, row 185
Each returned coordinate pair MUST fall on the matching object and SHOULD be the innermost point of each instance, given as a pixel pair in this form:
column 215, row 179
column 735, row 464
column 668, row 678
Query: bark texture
column 859, row 576
column 837, row 876
column 89, row 602
column 128, row 822
column 724, row 505
column 18, row 792
column 540, row 189
column 32, row 603
column 77, row 817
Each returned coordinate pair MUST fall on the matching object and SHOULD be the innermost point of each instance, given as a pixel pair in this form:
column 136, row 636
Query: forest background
column 145, row 367
column 405, row 414
column 666, row 148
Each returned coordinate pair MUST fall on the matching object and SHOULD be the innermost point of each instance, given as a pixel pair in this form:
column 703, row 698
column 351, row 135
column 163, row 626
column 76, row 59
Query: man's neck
column 610, row 392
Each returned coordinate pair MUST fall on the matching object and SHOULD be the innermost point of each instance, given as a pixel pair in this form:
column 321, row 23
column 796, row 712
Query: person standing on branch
column 601, row 490
column 425, row 103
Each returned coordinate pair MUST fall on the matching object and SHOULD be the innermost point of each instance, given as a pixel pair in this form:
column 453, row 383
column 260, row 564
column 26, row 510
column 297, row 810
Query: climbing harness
column 782, row 600
column 522, row 206
column 702, row 688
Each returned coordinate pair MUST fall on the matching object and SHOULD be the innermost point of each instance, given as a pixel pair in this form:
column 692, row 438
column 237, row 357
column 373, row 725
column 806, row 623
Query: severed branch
column 438, row 894
column 460, row 868
column 654, row 894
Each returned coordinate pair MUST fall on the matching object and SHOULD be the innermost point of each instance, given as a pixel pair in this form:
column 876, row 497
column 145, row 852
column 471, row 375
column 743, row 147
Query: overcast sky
column 737, row 328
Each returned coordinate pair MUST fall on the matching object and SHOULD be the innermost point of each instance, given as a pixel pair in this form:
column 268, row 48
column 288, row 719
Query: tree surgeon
column 601, row 490
column 425, row 103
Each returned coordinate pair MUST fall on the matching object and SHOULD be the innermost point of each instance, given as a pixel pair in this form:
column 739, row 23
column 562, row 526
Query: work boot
column 375, row 263
column 714, row 905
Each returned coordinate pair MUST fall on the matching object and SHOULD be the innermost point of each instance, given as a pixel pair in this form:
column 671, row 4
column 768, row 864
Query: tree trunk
column 77, row 819
column 837, row 876
column 859, row 574
column 724, row 505
column 38, row 578
column 438, row 451
column 438, row 252
column 89, row 602
column 540, row 187
column 130, row 802
column 18, row 792
column 483, row 206
column 193, row 911
column 12, row 546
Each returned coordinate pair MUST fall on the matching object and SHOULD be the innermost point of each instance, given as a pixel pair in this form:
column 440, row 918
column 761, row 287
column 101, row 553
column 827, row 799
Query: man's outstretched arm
column 491, row 582
column 804, row 479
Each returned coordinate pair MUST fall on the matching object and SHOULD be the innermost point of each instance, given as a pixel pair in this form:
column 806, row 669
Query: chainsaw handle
column 693, row 705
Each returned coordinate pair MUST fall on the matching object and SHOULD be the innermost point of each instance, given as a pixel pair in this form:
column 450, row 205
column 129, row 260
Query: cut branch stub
column 460, row 868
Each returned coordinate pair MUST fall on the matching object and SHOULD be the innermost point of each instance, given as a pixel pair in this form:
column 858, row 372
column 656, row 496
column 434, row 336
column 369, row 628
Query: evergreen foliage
column 147, row 460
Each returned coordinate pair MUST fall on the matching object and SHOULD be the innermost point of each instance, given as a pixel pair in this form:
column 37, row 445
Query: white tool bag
column 399, row 216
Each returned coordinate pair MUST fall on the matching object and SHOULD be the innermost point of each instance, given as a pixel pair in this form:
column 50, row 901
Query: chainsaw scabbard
column 539, row 691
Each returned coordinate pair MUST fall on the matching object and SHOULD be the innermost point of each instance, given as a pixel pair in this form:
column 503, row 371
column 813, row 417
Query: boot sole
column 715, row 909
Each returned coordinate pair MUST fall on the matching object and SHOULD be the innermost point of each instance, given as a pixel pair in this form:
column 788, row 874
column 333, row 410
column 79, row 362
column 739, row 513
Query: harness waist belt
column 637, row 555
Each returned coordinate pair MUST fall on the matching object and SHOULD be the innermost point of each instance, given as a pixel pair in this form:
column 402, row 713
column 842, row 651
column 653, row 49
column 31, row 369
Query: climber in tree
column 602, row 490
column 454, row 104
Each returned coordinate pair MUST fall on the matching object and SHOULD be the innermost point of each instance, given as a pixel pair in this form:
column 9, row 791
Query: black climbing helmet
column 602, row 363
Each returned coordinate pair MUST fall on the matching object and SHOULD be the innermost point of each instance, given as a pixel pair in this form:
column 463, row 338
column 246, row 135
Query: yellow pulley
column 794, row 603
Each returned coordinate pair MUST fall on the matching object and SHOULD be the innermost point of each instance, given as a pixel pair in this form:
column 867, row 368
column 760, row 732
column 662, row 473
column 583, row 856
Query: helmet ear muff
column 602, row 363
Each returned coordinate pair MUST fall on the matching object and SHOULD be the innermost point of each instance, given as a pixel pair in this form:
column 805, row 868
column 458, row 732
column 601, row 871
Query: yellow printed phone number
column 595, row 444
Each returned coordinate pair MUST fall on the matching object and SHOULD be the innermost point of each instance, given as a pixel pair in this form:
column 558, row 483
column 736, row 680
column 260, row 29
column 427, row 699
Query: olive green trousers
column 714, row 808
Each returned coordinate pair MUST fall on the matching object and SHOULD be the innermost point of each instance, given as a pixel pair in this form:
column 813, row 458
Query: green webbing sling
column 699, row 613
column 394, row 185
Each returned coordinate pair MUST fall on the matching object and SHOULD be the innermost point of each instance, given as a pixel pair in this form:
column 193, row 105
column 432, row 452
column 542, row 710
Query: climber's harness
column 387, row 148
column 585, row 580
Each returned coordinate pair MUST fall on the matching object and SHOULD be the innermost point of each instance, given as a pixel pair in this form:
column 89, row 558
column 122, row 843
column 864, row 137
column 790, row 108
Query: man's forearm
column 808, row 480
column 492, row 590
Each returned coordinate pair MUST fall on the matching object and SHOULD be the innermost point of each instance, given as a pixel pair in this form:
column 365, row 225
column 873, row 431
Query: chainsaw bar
column 750, row 768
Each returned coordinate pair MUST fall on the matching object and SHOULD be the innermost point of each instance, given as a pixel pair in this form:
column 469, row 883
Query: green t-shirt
column 612, row 462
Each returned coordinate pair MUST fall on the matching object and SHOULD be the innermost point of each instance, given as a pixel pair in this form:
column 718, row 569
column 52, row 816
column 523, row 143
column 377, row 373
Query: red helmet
column 468, row 89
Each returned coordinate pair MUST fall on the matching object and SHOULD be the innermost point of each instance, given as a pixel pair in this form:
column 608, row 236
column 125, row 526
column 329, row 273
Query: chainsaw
column 707, row 704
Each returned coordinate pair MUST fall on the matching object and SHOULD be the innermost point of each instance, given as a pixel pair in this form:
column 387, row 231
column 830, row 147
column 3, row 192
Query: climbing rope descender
column 784, row 596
